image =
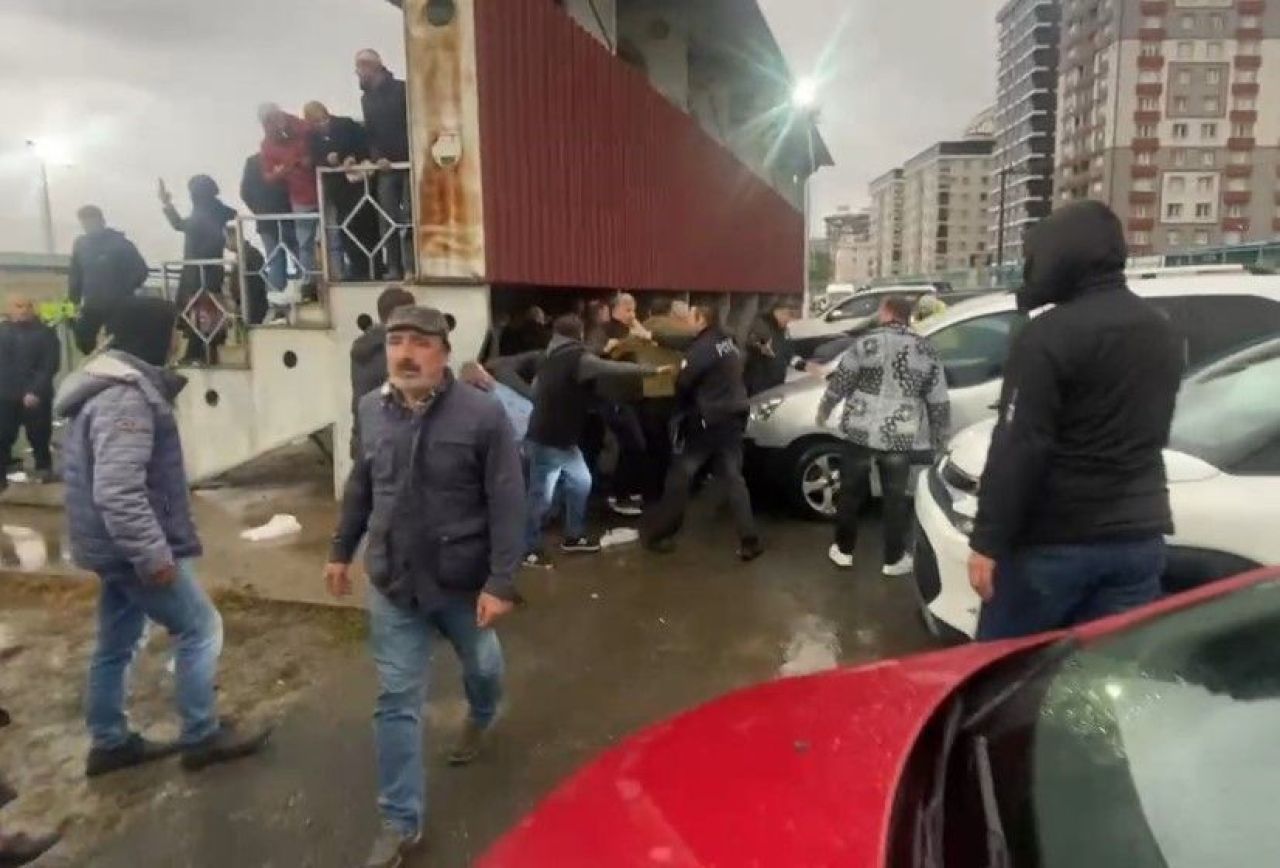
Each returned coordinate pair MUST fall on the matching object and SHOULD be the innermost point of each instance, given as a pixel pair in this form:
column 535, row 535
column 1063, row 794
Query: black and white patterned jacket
column 894, row 392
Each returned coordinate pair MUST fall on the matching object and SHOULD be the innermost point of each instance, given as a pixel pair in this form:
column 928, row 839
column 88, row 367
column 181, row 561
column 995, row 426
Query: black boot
column 750, row 550
column 134, row 752
column 227, row 744
column 21, row 849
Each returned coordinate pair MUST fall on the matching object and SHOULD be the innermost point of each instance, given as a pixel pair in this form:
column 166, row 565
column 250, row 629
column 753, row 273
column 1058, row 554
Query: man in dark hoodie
column 129, row 519
column 369, row 352
column 203, row 240
column 106, row 267
column 768, row 347
column 713, row 401
column 1073, row 505
column 29, row 358
column 384, row 102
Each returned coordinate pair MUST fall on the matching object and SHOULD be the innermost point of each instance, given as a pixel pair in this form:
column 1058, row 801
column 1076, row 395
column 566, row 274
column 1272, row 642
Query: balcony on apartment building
column 1151, row 62
column 1244, row 116
column 1142, row 197
column 1139, row 171
column 1249, row 34
column 1251, row 7
column 1239, row 143
column 1237, row 197
column 1154, row 7
column 1152, row 34
column 1147, row 116
column 1145, row 145
column 1235, row 224
column 1249, row 61
column 1239, row 170
column 1246, row 88
column 1150, row 88
column 1142, row 224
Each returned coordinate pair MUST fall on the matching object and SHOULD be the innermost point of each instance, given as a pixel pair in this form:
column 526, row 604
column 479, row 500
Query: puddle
column 814, row 647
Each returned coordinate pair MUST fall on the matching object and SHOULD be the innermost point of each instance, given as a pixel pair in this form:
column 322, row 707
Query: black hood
column 1077, row 248
column 142, row 326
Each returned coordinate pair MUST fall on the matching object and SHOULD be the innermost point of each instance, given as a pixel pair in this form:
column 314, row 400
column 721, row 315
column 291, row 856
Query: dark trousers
column 723, row 451
column 633, row 457
column 1040, row 588
column 38, row 423
column 656, row 416
column 855, row 490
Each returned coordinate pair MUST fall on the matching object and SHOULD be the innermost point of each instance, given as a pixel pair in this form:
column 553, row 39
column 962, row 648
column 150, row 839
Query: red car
column 1149, row 740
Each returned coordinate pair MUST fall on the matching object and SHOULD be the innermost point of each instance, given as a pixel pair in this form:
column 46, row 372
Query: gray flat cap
column 426, row 320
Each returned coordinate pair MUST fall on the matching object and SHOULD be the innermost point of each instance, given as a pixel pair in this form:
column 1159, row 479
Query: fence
column 367, row 220
column 207, row 317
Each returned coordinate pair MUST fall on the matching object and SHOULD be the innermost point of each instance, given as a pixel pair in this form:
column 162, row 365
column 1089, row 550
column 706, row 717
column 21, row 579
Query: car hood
column 799, row 385
column 797, row 772
column 969, row 449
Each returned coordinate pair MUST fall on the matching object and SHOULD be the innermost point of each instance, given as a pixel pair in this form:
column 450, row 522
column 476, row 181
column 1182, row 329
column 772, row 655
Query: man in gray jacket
column 438, row 490
column 129, row 517
column 896, row 413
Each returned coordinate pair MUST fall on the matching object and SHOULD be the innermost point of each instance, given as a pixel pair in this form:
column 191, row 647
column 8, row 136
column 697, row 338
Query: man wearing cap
column 438, row 490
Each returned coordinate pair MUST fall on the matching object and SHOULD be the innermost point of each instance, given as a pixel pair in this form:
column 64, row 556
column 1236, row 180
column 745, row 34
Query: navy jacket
column 440, row 495
column 386, row 120
column 105, row 267
column 29, row 358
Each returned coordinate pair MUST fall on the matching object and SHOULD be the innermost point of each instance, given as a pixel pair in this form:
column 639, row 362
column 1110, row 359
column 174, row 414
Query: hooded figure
column 1073, row 503
column 204, row 238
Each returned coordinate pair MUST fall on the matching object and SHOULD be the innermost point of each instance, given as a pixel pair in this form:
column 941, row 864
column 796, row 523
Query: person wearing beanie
column 130, row 522
column 204, row 237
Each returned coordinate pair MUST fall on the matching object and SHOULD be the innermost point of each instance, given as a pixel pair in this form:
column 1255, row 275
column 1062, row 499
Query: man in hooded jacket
column 1074, row 504
column 106, row 267
column 129, row 520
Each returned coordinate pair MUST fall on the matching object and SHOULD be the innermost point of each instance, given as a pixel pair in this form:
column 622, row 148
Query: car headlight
column 763, row 411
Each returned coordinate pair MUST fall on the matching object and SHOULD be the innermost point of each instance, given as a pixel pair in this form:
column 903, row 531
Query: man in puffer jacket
column 130, row 522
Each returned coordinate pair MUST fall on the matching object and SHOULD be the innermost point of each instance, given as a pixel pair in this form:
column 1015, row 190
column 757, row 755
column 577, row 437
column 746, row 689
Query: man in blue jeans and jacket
column 438, row 490
column 1074, row 504
column 130, row 522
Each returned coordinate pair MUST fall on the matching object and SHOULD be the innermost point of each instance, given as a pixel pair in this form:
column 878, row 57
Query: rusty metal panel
column 445, row 142
column 593, row 179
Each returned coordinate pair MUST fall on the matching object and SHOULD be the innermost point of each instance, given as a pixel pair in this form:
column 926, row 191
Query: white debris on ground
column 280, row 525
column 619, row 536
column 814, row 647
column 29, row 546
column 18, row 477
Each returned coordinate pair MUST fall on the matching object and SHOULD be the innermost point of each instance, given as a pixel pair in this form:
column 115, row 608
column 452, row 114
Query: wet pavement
column 606, row 645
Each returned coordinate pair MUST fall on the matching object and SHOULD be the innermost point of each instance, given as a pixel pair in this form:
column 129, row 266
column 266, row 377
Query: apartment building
column 1167, row 112
column 851, row 248
column 945, row 207
column 1021, row 192
column 886, row 223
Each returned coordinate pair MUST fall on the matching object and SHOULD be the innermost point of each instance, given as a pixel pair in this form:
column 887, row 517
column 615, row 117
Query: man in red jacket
column 286, row 158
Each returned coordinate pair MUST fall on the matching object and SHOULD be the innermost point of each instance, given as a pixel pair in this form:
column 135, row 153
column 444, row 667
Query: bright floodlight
column 805, row 94
column 53, row 152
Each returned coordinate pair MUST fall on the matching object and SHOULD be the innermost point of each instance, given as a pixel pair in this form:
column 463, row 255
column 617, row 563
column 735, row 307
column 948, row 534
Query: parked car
column 1223, row 465
column 1142, row 741
column 1213, row 313
column 855, row 312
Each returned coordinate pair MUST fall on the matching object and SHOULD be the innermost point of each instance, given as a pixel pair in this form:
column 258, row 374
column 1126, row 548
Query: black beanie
column 142, row 326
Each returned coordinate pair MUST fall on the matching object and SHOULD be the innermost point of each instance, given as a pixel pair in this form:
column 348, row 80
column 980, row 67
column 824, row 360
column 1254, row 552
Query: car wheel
column 815, row 481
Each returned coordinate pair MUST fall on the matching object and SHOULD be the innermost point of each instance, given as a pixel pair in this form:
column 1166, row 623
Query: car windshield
column 1229, row 416
column 1152, row 747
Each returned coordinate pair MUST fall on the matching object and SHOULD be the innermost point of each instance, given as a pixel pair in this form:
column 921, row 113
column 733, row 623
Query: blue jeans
column 277, row 250
column 392, row 189
column 402, row 641
column 1042, row 588
column 307, row 231
column 184, row 609
column 547, row 467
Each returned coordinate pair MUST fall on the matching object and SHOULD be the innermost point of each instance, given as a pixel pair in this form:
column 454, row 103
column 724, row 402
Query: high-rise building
column 886, row 223
column 852, row 251
column 1021, row 191
column 1163, row 115
column 945, row 204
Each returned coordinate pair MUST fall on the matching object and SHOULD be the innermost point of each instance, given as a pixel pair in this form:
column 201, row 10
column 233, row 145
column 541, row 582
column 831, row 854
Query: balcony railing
column 368, row 222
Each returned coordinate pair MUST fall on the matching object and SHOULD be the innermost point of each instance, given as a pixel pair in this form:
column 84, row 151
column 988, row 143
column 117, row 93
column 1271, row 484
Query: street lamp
column 48, row 152
column 804, row 100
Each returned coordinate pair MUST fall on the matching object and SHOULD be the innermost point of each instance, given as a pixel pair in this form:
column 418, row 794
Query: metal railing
column 209, row 317
column 367, row 228
column 283, row 277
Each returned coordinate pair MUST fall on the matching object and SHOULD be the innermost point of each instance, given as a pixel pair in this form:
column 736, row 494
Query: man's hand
column 383, row 163
column 349, row 163
column 814, row 369
column 337, row 578
column 473, row 374
column 165, row 575
column 766, row 350
column 610, row 346
column 641, row 332
column 982, row 575
column 30, row 402
column 166, row 198
column 490, row 608
column 332, row 158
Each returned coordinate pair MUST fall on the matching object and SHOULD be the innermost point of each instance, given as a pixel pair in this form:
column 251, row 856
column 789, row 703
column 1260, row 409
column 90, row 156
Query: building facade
column 850, row 246
column 1167, row 112
column 945, row 205
column 1025, row 123
column 886, row 223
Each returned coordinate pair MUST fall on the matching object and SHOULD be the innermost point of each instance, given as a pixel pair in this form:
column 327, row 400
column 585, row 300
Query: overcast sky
column 140, row 89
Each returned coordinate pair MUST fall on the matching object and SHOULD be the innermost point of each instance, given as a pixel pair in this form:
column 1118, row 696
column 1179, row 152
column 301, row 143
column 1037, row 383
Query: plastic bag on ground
column 280, row 525
column 620, row 536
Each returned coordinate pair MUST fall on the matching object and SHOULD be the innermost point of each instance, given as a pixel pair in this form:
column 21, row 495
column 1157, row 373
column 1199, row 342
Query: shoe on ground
column 750, row 550
column 18, row 850
column 136, row 751
column 839, row 558
column 904, row 567
column 580, row 545
column 660, row 546
column 537, row 561
column 229, row 743
column 628, row 506
column 390, row 847
column 470, row 744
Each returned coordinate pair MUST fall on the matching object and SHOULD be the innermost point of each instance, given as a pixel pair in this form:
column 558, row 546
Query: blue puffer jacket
column 127, row 500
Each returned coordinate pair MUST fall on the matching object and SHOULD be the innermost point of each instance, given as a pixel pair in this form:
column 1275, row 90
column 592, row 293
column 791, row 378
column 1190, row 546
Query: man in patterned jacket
column 896, row 413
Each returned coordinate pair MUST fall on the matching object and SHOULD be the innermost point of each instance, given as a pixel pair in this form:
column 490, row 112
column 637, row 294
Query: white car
column 1214, row 312
column 1223, row 465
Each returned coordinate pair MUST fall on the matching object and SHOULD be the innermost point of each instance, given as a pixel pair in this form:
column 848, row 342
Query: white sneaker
column 839, row 558
column 287, row 297
column 904, row 567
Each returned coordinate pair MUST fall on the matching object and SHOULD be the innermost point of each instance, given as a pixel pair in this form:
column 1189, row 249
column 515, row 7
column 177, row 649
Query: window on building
column 1149, row 76
column 1141, row 185
column 1208, row 159
column 1203, row 210
column 1247, row 76
column 1242, row 131
column 1145, row 158
column 1181, row 131
column 1233, row 237
column 1174, row 238
column 1212, row 105
column 1202, row 238
column 1217, row 23
column 1148, row 104
column 1246, row 103
column 1097, row 188
column 1177, row 185
column 1184, row 78
column 1150, row 49
column 1250, row 21
column 1239, row 158
column 1188, row 22
column 1250, row 48
column 1173, row 211
column 1186, row 50
column 1215, row 50
column 1236, row 211
column 1213, row 76
column 1204, row 184
column 1142, row 239
column 1209, row 131
column 1181, row 105
column 1179, row 156
column 1237, row 185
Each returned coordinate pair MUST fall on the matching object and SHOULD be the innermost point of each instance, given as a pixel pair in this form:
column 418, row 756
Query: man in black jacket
column 1074, row 504
column 29, row 360
column 768, row 348
column 335, row 142
column 279, row 241
column 713, row 399
column 105, row 268
column 386, row 120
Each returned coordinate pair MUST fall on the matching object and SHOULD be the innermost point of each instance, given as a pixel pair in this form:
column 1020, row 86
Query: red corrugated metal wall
column 592, row 178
